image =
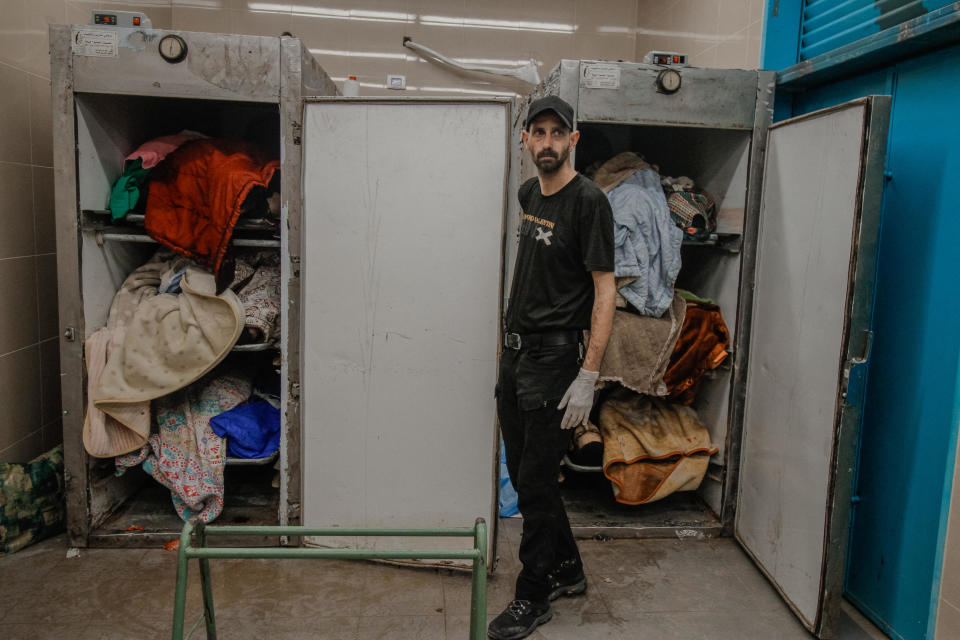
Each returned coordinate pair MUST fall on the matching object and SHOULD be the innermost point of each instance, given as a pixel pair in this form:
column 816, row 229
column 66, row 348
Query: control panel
column 121, row 19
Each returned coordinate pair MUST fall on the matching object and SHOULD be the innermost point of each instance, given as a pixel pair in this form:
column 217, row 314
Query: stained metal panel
column 716, row 98
column 810, row 334
column 217, row 66
column 403, row 233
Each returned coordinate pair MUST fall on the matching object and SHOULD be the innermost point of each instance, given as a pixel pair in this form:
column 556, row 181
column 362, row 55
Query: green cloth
column 31, row 500
column 126, row 190
column 692, row 297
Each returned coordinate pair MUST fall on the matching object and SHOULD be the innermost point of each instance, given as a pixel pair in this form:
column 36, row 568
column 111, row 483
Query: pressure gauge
column 668, row 81
column 173, row 48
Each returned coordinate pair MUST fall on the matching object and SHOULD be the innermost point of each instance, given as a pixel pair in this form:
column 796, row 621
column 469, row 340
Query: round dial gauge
column 668, row 81
column 173, row 48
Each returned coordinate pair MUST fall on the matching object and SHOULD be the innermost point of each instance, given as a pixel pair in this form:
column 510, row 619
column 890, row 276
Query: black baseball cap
column 550, row 103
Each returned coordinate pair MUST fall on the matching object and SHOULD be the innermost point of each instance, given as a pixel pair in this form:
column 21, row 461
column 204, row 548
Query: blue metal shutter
column 829, row 24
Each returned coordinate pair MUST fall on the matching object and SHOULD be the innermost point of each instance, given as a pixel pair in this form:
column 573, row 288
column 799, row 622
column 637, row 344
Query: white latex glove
column 578, row 399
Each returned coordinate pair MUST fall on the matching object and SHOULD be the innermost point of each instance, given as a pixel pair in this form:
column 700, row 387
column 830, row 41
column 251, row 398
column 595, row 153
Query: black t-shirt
column 563, row 237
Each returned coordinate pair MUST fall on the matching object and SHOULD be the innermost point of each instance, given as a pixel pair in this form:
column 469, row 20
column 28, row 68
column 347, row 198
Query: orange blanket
column 651, row 448
column 197, row 193
column 702, row 346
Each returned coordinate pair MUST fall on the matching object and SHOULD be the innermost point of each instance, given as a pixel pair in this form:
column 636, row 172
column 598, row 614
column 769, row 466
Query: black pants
column 531, row 384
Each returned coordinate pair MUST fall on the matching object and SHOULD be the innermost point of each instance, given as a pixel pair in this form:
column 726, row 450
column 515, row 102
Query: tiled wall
column 29, row 349
column 364, row 38
column 714, row 33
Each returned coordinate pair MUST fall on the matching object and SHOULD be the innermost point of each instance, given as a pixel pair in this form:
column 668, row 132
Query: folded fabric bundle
column 252, row 430
column 169, row 342
column 651, row 448
column 618, row 168
column 185, row 455
column 646, row 242
column 126, row 190
column 197, row 194
column 152, row 152
column 257, row 283
column 639, row 349
column 702, row 346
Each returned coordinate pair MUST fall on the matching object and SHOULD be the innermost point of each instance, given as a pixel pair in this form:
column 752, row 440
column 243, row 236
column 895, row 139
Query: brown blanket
column 651, row 448
column 639, row 349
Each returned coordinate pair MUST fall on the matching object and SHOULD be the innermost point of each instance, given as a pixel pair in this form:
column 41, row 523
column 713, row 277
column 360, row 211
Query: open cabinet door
column 404, row 207
column 809, row 344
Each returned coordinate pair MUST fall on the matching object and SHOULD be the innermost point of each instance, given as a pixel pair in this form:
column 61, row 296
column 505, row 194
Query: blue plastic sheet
column 508, row 495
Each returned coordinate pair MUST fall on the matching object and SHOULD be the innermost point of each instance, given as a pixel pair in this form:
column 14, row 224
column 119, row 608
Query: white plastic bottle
column 351, row 87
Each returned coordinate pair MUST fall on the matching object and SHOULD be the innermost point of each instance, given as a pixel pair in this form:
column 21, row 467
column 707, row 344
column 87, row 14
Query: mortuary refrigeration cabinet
column 791, row 265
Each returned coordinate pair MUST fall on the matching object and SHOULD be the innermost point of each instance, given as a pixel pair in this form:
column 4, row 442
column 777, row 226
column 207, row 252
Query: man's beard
column 549, row 163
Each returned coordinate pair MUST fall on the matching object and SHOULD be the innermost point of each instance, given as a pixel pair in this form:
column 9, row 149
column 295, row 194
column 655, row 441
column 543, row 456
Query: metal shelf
column 251, row 462
column 731, row 242
column 257, row 346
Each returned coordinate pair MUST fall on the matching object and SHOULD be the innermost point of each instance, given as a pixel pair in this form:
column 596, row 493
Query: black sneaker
column 567, row 580
column 519, row 620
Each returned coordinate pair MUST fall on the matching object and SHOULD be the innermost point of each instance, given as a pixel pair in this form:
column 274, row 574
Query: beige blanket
column 168, row 342
column 651, row 448
column 638, row 351
column 618, row 168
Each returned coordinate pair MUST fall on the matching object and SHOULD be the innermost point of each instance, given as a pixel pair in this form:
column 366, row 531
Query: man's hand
column 578, row 399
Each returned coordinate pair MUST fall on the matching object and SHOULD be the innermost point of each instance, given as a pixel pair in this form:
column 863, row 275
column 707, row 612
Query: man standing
column 563, row 283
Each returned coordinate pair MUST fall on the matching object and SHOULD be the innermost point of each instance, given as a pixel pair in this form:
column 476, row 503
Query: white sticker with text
column 98, row 43
column 600, row 76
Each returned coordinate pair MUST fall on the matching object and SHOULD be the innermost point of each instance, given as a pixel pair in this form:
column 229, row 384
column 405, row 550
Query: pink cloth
column 152, row 152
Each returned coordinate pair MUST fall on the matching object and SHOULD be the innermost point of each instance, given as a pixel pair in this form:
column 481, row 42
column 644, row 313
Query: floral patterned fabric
column 185, row 455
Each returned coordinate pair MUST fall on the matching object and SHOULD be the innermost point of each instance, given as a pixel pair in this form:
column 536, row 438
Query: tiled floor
column 663, row 589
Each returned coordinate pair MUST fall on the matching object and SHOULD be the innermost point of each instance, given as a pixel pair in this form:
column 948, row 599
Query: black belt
column 546, row 339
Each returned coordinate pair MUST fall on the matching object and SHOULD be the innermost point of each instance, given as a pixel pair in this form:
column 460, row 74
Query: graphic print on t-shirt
column 540, row 229
column 544, row 236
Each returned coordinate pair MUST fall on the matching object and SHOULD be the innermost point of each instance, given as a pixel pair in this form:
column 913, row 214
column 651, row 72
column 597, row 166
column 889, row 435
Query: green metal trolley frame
column 203, row 553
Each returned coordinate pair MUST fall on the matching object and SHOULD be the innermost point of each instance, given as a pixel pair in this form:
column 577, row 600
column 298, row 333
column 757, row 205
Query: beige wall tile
column 731, row 54
column 48, row 322
column 757, row 7
column 15, row 107
column 50, row 381
column 20, row 396
column 703, row 18
column 44, row 215
column 40, row 15
column 734, row 15
column 607, row 17
column 24, row 449
column 754, row 45
column 16, row 211
column 707, row 58
column 12, row 24
column 41, row 122
column 260, row 24
column 948, row 621
column 216, row 20
column 598, row 47
column 18, row 322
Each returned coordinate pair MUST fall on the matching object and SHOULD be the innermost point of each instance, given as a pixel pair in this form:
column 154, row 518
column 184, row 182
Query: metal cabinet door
column 404, row 205
column 808, row 349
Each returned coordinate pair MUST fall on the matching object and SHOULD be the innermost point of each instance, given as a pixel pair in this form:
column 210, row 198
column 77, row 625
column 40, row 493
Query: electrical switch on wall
column 396, row 82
